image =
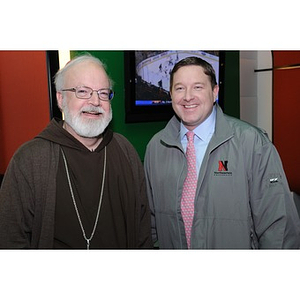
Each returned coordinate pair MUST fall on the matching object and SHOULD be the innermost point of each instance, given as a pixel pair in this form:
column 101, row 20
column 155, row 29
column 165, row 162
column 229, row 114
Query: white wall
column 256, row 89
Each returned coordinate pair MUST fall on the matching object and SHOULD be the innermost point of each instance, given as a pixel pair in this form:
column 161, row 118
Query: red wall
column 286, row 110
column 24, row 100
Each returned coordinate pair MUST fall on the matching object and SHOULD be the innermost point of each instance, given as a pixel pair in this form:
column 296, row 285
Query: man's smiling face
column 192, row 95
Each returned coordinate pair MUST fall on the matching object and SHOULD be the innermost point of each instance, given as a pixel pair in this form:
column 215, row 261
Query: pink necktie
column 189, row 188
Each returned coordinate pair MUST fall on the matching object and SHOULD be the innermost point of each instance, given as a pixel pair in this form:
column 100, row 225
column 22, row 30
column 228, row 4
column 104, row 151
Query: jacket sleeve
column 15, row 216
column 276, row 221
column 27, row 197
column 150, row 198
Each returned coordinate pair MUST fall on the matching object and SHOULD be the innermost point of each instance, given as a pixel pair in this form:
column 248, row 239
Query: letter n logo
column 223, row 165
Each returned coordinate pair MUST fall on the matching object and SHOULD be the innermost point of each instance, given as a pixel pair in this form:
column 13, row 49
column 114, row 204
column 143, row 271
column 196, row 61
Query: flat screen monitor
column 147, row 77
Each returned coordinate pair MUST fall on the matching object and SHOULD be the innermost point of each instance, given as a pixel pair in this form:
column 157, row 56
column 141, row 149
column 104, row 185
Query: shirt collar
column 205, row 130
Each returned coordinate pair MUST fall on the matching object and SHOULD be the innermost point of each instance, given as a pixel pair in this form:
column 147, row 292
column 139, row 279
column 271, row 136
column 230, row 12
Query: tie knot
column 190, row 135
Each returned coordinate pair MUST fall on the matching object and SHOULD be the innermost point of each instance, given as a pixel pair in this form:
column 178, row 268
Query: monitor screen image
column 153, row 70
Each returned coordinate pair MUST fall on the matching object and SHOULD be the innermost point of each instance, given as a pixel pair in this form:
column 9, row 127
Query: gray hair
column 60, row 75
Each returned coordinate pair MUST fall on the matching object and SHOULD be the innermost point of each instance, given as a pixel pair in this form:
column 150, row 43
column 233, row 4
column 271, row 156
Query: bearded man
column 77, row 185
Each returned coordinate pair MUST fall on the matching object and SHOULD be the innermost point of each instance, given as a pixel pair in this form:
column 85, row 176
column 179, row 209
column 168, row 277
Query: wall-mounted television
column 147, row 77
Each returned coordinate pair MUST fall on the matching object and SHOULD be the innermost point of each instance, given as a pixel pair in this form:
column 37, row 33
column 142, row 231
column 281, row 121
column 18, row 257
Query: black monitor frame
column 52, row 59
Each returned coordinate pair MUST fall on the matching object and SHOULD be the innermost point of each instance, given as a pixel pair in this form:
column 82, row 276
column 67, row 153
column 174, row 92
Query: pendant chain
column 88, row 240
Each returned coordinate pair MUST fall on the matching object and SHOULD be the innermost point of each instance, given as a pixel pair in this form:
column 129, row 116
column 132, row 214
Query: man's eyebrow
column 194, row 83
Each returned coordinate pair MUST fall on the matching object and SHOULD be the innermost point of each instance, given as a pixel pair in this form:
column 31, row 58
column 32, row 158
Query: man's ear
column 59, row 98
column 215, row 92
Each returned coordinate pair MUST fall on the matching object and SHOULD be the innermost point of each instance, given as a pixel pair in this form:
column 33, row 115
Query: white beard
column 87, row 128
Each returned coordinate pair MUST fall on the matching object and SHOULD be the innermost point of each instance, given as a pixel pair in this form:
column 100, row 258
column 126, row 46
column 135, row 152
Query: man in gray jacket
column 242, row 199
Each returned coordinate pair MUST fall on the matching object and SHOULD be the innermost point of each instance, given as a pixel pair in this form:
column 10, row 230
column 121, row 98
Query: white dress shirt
column 203, row 134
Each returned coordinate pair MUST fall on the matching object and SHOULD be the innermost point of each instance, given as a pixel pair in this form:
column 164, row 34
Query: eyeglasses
column 84, row 92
